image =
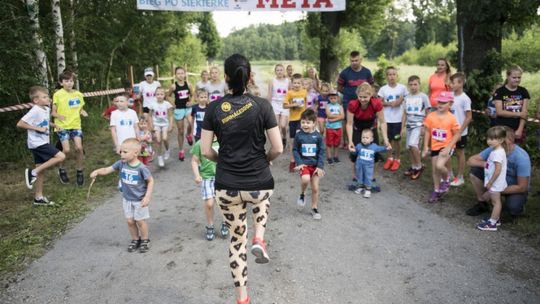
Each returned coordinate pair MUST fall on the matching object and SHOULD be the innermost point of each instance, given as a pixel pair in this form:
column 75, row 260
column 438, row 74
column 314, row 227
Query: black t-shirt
column 512, row 101
column 181, row 95
column 240, row 122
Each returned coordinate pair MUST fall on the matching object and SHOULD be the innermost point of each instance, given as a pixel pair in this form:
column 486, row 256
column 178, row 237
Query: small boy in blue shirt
column 365, row 161
column 309, row 153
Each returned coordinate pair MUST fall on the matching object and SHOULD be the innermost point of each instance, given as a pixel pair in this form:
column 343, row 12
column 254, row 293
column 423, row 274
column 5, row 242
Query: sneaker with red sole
column 388, row 164
column 189, row 139
column 395, row 165
column 258, row 249
column 181, row 155
column 291, row 166
column 246, row 301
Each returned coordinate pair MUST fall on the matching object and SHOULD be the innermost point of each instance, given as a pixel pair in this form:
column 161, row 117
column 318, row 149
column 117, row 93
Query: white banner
column 242, row 5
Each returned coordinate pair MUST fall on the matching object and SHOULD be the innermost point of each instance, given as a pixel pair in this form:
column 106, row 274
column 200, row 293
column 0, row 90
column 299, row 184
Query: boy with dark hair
column 37, row 123
column 308, row 151
column 67, row 110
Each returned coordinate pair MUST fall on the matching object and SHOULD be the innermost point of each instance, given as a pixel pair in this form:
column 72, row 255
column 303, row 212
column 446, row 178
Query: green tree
column 208, row 34
column 435, row 21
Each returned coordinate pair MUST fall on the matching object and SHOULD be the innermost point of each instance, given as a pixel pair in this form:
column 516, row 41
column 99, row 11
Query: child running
column 414, row 112
column 37, row 123
column 67, row 110
column 494, row 176
column 308, row 153
column 216, row 88
column 162, row 124
column 461, row 108
column 334, row 125
column 295, row 102
column 204, row 171
column 145, row 137
column 392, row 95
column 320, row 105
column 182, row 100
column 198, row 112
column 137, row 186
column 365, row 162
column 147, row 90
column 277, row 90
column 441, row 133
column 124, row 123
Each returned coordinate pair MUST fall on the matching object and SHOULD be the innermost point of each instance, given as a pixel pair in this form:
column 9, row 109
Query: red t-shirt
column 374, row 106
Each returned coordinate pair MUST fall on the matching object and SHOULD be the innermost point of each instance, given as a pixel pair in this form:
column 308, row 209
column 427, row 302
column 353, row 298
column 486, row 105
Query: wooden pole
column 131, row 76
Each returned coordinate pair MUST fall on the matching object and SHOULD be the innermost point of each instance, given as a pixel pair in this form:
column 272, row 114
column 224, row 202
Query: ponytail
column 238, row 71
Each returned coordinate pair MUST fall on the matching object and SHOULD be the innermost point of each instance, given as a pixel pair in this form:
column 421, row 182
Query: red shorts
column 308, row 170
column 333, row 137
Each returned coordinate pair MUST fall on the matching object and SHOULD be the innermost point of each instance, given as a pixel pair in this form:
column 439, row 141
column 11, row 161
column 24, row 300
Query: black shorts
column 393, row 129
column 357, row 138
column 294, row 126
column 436, row 153
column 462, row 143
column 43, row 153
column 146, row 110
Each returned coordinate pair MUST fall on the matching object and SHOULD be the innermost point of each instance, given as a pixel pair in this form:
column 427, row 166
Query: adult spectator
column 350, row 78
column 439, row 81
column 518, row 174
column 242, row 123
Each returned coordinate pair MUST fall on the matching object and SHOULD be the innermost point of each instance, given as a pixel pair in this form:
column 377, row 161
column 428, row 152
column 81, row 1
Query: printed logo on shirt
column 366, row 154
column 334, row 110
column 281, row 91
column 439, row 134
column 130, row 177
column 199, row 116
column 513, row 103
column 74, row 103
column 298, row 101
column 149, row 94
column 226, row 107
column 415, row 106
column 236, row 113
column 309, row 149
column 182, row 94
column 126, row 122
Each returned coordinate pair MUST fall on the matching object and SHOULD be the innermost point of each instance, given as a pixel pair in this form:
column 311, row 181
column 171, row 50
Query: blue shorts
column 66, row 135
column 180, row 114
column 43, row 153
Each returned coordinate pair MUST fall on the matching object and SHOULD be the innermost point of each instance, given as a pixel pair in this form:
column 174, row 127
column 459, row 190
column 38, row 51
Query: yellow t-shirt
column 296, row 97
column 69, row 105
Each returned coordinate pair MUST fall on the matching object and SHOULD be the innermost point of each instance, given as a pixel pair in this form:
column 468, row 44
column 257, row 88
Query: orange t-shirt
column 437, row 84
column 442, row 128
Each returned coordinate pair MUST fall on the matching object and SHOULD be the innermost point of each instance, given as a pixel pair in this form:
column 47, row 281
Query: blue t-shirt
column 133, row 180
column 366, row 154
column 309, row 149
column 518, row 164
column 198, row 116
column 351, row 79
column 334, row 108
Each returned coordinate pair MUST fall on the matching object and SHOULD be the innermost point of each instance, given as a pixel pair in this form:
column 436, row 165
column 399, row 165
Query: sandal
column 134, row 245
column 144, row 247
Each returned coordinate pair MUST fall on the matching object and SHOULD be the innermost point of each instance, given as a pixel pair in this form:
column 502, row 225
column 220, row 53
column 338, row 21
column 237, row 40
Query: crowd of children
column 308, row 111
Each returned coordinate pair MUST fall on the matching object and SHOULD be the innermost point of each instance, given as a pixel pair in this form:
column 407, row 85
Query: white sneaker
column 367, row 193
column 167, row 154
column 301, row 202
column 458, row 181
column 360, row 190
column 161, row 163
column 316, row 214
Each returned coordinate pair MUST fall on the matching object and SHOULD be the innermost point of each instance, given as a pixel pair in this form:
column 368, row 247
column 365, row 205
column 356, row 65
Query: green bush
column 427, row 54
column 523, row 50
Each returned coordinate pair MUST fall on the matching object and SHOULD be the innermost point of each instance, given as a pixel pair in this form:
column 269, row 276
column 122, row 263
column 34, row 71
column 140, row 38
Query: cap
column 445, row 96
column 148, row 72
column 332, row 92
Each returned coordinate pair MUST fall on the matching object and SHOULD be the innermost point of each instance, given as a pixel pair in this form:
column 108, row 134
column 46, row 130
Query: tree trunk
column 72, row 45
column 41, row 59
column 59, row 31
column 474, row 41
column 329, row 61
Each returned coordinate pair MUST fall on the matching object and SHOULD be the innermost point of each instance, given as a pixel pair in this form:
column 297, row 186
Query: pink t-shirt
column 436, row 86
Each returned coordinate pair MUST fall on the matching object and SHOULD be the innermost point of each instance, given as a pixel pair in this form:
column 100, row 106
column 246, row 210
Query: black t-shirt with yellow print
column 240, row 123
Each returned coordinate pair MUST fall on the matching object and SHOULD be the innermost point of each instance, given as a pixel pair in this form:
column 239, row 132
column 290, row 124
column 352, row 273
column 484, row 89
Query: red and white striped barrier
column 87, row 94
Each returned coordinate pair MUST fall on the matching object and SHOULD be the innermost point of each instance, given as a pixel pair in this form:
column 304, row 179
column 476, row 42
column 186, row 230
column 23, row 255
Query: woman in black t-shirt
column 241, row 123
column 511, row 103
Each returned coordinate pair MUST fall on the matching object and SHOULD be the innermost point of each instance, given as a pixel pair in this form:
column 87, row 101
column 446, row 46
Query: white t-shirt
column 496, row 156
column 389, row 94
column 148, row 92
column 160, row 113
column 38, row 117
column 201, row 85
column 460, row 107
column 216, row 90
column 124, row 122
column 279, row 89
column 415, row 108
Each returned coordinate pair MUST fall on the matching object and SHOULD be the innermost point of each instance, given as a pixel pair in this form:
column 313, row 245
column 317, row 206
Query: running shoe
column 161, row 162
column 64, row 179
column 395, row 165
column 435, row 196
column 189, row 139
column 167, row 154
column 487, row 220
column 258, row 249
column 29, row 178
column 315, row 213
column 444, row 187
column 487, row 226
column 359, row 190
column 336, row 160
column 210, row 233
column 367, row 193
column 181, row 155
column 42, row 202
column 458, row 181
column 224, row 230
column 301, row 202
column 388, row 164
column 80, row 178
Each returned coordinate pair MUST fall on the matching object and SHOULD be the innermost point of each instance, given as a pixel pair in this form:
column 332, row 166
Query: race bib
column 367, row 155
column 299, row 101
column 439, row 134
column 309, row 149
column 281, row 91
column 130, row 177
column 183, row 94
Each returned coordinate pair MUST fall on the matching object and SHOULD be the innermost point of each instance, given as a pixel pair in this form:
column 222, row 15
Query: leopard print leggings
column 233, row 206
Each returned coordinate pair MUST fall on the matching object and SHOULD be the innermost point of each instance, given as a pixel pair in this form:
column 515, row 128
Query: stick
column 90, row 188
